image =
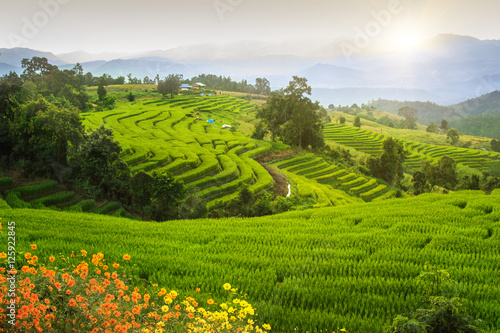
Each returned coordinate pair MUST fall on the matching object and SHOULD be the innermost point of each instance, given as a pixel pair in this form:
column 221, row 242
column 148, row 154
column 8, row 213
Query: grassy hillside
column 173, row 135
column 352, row 266
column 369, row 139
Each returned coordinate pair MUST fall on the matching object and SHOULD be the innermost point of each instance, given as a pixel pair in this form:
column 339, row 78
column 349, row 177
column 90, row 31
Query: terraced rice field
column 330, row 184
column 49, row 194
column 352, row 266
column 370, row 142
column 165, row 135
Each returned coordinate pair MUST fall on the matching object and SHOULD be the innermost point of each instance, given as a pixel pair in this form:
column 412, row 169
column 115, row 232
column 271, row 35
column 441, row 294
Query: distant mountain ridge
column 488, row 104
column 445, row 70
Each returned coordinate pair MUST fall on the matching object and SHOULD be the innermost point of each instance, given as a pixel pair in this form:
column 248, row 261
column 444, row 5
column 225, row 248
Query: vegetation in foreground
column 85, row 293
column 352, row 266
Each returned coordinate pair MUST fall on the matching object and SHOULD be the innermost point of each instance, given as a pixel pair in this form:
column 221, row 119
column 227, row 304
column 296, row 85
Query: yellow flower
column 164, row 308
column 223, row 306
column 210, row 301
column 250, row 321
column 227, row 286
column 266, row 327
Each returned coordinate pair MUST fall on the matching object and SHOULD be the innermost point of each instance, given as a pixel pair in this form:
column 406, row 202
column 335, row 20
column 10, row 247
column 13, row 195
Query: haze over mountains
column 446, row 70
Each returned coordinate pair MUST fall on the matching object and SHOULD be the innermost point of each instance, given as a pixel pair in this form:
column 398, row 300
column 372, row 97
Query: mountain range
column 446, row 70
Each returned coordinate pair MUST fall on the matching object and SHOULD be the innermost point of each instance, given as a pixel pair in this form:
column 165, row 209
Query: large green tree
column 410, row 115
column 35, row 68
column 495, row 145
column 389, row 166
column 42, row 132
column 357, row 122
column 170, row 85
column 96, row 164
column 443, row 173
column 158, row 195
column 292, row 117
column 453, row 135
column 263, row 86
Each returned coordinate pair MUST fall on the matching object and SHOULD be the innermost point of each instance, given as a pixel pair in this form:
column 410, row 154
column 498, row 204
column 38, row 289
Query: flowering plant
column 83, row 293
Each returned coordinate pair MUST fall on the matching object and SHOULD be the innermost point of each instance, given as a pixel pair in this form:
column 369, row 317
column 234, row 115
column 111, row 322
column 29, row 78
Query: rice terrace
column 338, row 170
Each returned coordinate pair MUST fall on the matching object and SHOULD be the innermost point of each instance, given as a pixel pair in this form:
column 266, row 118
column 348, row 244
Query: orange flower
column 33, row 246
column 115, row 265
column 210, row 301
column 126, row 257
column 84, row 253
column 57, row 285
column 27, row 255
column 72, row 302
column 51, row 258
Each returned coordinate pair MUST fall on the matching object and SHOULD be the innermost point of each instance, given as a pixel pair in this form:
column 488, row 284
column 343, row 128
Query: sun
column 406, row 40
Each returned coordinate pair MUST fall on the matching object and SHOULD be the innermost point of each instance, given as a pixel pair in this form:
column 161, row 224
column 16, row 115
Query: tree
column 389, row 166
column 260, row 132
column 410, row 115
column 432, row 128
column 443, row 173
column 419, row 182
column 96, row 164
column 35, row 68
column 495, row 145
column 101, row 92
column 42, row 131
column 453, row 135
column 293, row 118
column 357, row 121
column 131, row 97
column 470, row 183
column 342, row 120
column 263, row 86
column 170, row 85
column 444, row 124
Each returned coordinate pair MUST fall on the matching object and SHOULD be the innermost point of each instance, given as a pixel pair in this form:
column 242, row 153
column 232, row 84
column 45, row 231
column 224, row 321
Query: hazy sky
column 126, row 25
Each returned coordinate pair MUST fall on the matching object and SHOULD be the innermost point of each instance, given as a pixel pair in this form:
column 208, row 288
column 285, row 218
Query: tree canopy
column 453, row 135
column 410, row 115
column 389, row 166
column 170, row 85
column 292, row 117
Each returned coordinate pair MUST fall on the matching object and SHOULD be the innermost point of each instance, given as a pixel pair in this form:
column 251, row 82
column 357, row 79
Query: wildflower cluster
column 82, row 293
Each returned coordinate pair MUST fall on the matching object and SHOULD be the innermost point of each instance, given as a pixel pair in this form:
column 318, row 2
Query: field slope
column 349, row 266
